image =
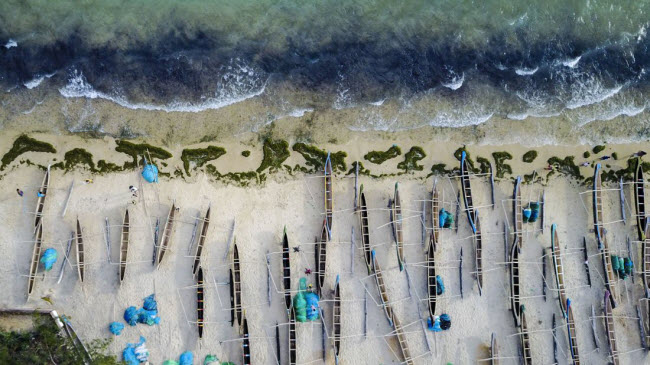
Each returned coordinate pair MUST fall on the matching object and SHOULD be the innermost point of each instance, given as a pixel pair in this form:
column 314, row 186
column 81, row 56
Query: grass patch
column 199, row 156
column 411, row 158
column 566, row 166
column 275, row 153
column 24, row 144
column 142, row 149
column 246, row 153
column 502, row 167
column 315, row 157
column 529, row 156
column 379, row 157
column 598, row 149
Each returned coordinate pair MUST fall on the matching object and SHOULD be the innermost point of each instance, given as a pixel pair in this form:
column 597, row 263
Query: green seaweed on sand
column 566, row 166
column 362, row 170
column 275, row 153
column 199, row 156
column 411, row 158
column 483, row 164
column 243, row 179
column 598, row 149
column 439, row 169
column 529, row 156
column 142, row 149
column 78, row 156
column 246, row 153
column 615, row 155
column 587, row 154
column 315, row 157
column 502, row 167
column 379, row 157
column 106, row 167
column 468, row 159
column 24, row 144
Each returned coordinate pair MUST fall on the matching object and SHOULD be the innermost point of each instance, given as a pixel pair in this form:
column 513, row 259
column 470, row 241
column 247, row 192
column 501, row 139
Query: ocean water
column 398, row 65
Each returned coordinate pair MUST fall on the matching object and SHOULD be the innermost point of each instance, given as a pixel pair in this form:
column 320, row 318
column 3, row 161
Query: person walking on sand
column 605, row 158
column 89, row 181
column 20, row 192
column 585, row 164
column 134, row 190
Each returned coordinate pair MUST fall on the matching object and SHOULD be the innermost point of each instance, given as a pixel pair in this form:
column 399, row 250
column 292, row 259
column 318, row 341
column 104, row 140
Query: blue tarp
column 131, row 316
column 150, row 303
column 148, row 314
column 116, row 328
column 440, row 285
column 434, row 325
column 186, row 358
column 136, row 353
column 49, row 258
column 312, row 306
column 150, row 173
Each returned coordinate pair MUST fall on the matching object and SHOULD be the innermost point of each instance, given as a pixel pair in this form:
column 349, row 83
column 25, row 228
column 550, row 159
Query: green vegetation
column 78, row 156
column 275, row 153
column 615, row 155
column 411, row 158
column 484, row 164
column 237, row 178
column 142, row 149
column 439, row 169
column 24, row 144
column 586, row 154
column 45, row 344
column 379, row 157
column 199, row 156
column 468, row 159
column 246, row 153
column 105, row 167
column 598, row 149
column 502, row 167
column 627, row 173
column 315, row 157
column 362, row 170
column 530, row 156
column 566, row 166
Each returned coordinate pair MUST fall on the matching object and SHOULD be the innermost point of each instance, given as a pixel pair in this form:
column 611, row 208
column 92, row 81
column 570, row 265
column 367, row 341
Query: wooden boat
column 36, row 254
column 246, row 342
column 514, row 282
column 525, row 341
column 639, row 199
column 80, row 252
column 494, row 351
column 232, row 298
column 571, row 332
column 646, row 264
column 559, row 269
column 518, row 213
column 236, row 275
column 435, row 211
column 432, row 283
column 610, row 276
column 286, row 271
column 40, row 203
column 401, row 338
column 598, row 208
column 166, row 238
column 124, row 245
column 336, row 321
column 293, row 338
column 609, row 329
column 478, row 250
column 381, row 286
column 201, row 242
column 321, row 258
column 365, row 231
column 398, row 234
column 329, row 199
column 467, row 190
column 200, row 304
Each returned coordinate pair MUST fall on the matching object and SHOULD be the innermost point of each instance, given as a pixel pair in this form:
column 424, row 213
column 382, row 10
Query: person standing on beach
column 20, row 192
column 134, row 190
column 605, row 158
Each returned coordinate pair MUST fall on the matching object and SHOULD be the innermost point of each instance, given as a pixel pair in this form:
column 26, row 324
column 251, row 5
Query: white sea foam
column 378, row 102
column 455, row 82
column 590, row 93
column 11, row 43
column 37, row 80
column 526, row 71
column 572, row 63
column 298, row 113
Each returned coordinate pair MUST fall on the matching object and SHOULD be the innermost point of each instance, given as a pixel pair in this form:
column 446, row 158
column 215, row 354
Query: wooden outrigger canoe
column 286, row 271
column 321, row 259
column 293, row 339
column 478, row 250
column 236, row 274
column 40, row 203
column 515, row 300
column 494, row 351
column 166, row 238
column 398, row 234
column 381, row 286
column 80, row 252
column 598, row 208
column 199, row 247
column 329, row 198
column 571, row 331
column 124, row 245
column 36, row 254
column 200, row 304
column 610, row 276
column 246, row 342
column 365, row 231
column 518, row 213
column 609, row 329
column 467, row 191
column 639, row 199
column 559, row 269
column 646, row 265
column 401, row 338
column 525, row 341
column 435, row 211
column 336, row 321
column 432, row 283
column 232, row 298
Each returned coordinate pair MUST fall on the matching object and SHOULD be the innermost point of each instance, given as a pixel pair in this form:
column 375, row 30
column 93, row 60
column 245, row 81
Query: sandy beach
column 295, row 200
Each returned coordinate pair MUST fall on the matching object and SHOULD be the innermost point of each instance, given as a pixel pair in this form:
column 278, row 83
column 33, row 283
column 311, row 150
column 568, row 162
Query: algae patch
column 379, row 157
column 598, row 149
column 199, row 156
column 275, row 153
column 566, row 166
column 411, row 158
column 529, row 156
column 24, row 144
column 142, row 149
column 502, row 167
column 315, row 157
column 78, row 156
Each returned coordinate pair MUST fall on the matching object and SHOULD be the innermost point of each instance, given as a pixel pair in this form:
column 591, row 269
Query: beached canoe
column 398, row 234
column 232, row 298
column 467, row 191
column 515, row 301
column 124, row 245
column 336, row 321
column 286, row 271
column 236, row 274
column 478, row 253
column 246, row 342
column 559, row 269
column 639, row 199
column 80, row 252
column 329, row 198
column 321, row 258
column 166, row 238
column 525, row 341
column 40, row 202
column 293, row 339
column 518, row 213
column 401, row 339
column 599, row 229
column 200, row 303
column 609, row 329
column 494, row 351
column 646, row 264
column 610, row 275
column 435, row 211
column 36, row 254
column 432, row 284
column 571, row 332
column 381, row 286
column 201, row 243
column 365, row 231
